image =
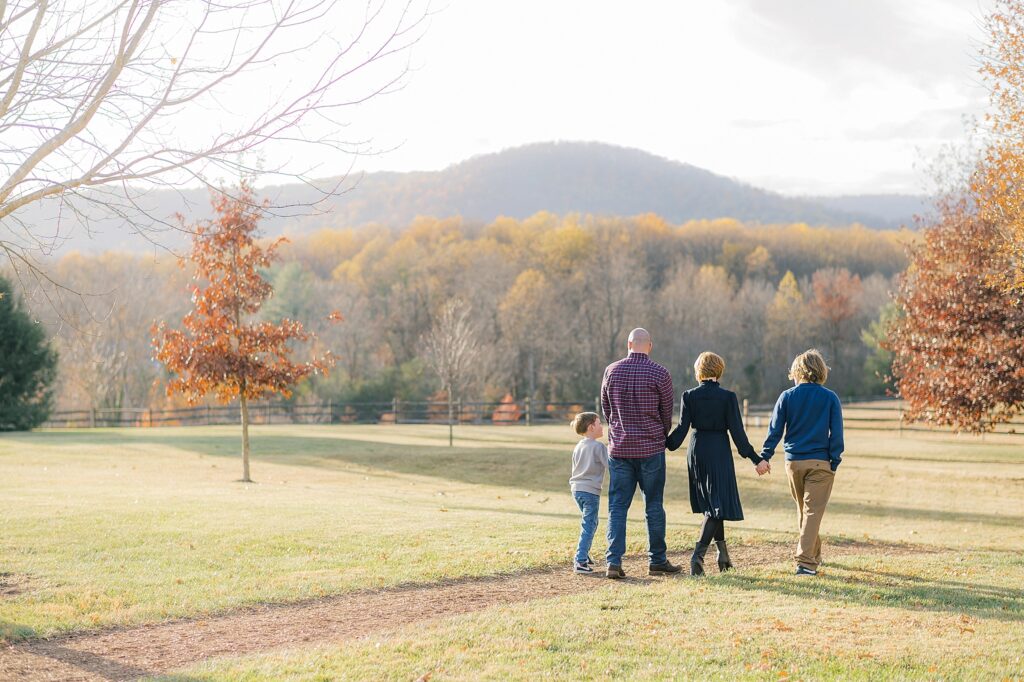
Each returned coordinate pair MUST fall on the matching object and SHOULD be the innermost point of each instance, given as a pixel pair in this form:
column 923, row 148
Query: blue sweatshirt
column 813, row 421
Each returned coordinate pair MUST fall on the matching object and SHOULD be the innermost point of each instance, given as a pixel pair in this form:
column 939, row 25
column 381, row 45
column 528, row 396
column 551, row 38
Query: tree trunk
column 451, row 417
column 245, row 435
column 532, row 376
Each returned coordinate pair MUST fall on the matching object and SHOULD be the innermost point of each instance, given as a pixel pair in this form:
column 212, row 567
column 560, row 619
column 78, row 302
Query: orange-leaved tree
column 957, row 339
column 997, row 184
column 221, row 348
column 958, row 356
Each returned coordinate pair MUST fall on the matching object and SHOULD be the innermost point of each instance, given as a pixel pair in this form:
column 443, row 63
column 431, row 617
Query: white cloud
column 794, row 95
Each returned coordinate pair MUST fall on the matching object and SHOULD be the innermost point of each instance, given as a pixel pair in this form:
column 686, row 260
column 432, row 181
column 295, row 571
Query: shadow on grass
column 544, row 470
column 1012, row 456
column 841, row 583
column 43, row 659
column 529, row 469
column 537, row 583
column 105, row 668
column 947, row 516
column 1005, row 593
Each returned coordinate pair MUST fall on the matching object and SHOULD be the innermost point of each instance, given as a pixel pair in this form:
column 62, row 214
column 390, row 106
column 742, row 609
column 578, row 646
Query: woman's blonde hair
column 709, row 366
column 809, row 366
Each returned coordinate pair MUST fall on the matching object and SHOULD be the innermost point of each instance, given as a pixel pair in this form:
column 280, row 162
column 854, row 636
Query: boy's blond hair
column 709, row 366
column 809, row 366
column 582, row 421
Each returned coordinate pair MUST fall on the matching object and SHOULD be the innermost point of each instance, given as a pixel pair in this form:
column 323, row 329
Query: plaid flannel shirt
column 636, row 397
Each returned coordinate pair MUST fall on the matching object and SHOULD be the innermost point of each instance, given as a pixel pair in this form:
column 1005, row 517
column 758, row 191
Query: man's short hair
column 809, row 366
column 709, row 366
column 582, row 421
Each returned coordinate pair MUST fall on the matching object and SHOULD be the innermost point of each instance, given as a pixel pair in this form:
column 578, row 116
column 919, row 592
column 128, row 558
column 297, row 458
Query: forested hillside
column 552, row 300
column 563, row 178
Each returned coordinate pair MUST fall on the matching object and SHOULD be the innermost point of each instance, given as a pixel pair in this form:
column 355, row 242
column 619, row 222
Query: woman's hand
column 763, row 467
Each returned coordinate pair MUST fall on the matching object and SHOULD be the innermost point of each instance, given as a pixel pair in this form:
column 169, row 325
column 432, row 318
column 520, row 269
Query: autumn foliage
column 959, row 358
column 958, row 340
column 998, row 182
column 520, row 277
column 221, row 349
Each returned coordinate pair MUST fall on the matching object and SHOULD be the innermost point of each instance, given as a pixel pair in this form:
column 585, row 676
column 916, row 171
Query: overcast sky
column 797, row 96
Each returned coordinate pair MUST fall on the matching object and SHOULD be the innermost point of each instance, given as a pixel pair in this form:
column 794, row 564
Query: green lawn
column 126, row 526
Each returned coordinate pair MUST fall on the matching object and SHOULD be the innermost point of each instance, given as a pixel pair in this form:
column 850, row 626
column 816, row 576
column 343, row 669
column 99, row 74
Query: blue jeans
column 589, row 503
column 624, row 475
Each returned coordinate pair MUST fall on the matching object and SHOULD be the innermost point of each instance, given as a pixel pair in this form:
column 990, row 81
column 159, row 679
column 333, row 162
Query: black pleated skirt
column 713, row 490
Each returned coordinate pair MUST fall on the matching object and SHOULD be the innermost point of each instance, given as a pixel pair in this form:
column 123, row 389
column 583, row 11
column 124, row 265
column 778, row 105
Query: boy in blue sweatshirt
column 812, row 419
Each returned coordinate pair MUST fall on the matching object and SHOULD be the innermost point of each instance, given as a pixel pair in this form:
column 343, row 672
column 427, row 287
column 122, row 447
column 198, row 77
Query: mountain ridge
column 558, row 177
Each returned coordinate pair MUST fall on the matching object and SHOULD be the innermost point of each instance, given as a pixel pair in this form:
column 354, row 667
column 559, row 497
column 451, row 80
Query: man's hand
column 763, row 467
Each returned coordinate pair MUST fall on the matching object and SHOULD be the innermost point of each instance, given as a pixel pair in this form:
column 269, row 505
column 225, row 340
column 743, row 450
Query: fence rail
column 872, row 414
column 391, row 412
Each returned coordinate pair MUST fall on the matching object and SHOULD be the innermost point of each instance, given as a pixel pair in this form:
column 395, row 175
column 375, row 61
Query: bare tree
column 104, row 360
column 102, row 100
column 615, row 289
column 451, row 347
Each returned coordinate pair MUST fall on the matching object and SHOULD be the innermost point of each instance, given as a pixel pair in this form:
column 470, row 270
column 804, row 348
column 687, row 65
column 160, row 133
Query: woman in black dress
column 711, row 411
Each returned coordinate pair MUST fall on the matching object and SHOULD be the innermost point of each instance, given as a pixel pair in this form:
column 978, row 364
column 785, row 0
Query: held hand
column 763, row 467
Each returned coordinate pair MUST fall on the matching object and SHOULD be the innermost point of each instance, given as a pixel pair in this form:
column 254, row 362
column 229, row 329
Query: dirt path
column 130, row 653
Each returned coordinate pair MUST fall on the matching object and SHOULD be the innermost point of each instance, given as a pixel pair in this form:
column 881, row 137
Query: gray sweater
column 589, row 461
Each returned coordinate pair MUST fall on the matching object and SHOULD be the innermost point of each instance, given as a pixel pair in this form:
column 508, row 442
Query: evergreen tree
column 877, row 375
column 28, row 366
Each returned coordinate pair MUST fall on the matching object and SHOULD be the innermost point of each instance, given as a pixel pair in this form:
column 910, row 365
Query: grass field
column 118, row 527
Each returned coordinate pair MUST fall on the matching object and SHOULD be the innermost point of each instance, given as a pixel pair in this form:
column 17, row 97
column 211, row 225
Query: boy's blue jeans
column 624, row 475
column 589, row 504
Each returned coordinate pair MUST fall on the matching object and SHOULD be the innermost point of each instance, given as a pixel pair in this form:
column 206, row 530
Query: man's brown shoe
column 667, row 568
column 615, row 572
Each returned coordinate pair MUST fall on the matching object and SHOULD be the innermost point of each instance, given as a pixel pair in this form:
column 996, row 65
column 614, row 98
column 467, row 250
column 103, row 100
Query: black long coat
column 711, row 411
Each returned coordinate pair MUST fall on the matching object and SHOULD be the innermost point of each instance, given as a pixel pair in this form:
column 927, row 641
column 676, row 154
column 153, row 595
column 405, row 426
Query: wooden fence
column 392, row 412
column 874, row 414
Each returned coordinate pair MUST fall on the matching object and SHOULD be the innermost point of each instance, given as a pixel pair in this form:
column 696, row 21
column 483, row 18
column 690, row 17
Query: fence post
column 746, row 413
column 597, row 405
column 458, row 410
column 394, row 408
column 529, row 411
column 899, row 426
column 330, row 411
column 92, row 417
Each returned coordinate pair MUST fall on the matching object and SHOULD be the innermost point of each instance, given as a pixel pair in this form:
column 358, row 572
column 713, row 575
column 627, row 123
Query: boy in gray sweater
column 589, row 462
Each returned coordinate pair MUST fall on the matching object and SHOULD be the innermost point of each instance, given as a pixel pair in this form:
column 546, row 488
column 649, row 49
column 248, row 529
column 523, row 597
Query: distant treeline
column 552, row 299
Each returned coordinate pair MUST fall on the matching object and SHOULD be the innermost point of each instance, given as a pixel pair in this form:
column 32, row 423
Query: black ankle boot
column 724, row 563
column 697, row 560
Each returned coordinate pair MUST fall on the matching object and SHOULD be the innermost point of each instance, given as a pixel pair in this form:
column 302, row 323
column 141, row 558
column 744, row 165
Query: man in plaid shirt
column 636, row 397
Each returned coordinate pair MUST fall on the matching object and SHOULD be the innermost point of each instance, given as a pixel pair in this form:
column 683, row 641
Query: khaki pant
column 810, row 481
